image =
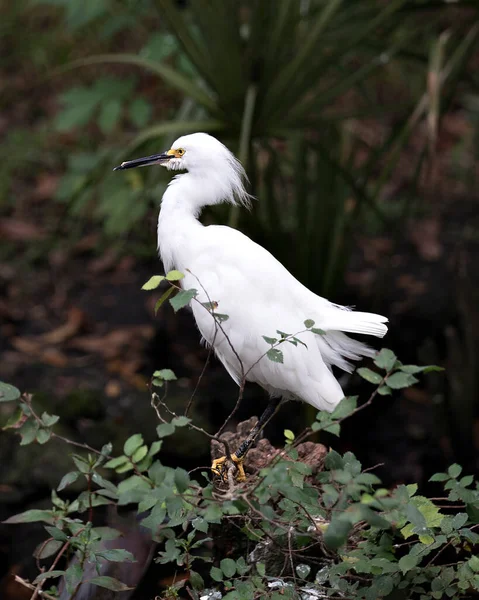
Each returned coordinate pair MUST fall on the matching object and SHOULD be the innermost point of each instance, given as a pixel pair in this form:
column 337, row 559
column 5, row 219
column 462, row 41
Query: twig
column 28, row 585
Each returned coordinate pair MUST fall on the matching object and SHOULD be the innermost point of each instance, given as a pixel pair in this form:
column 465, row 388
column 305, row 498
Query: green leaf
column 140, row 112
column 318, row 331
column 155, row 448
column 49, row 420
column 113, row 463
column 408, row 562
column 275, row 355
column 459, row 520
column 261, row 569
column 28, row 431
column 384, row 390
column 183, row 298
column 132, row 444
column 413, row 369
column 309, row 323
column 454, row 470
column 48, row 575
column 400, row 380
column 110, row 583
column 336, row 535
column 180, row 421
column 347, row 406
column 165, row 429
column 139, row 454
column 439, row 477
column 216, row 574
column 44, row 550
column 116, row 555
column 196, row 581
column 153, row 282
column 269, row 340
column 163, row 298
column 228, row 566
column 174, row 275
column 8, row 392
column 43, row 435
column 165, row 374
column 369, row 375
column 31, row 516
column 473, row 562
column 68, row 479
column 288, row 434
column 386, row 359
column 182, row 480
column 56, row 534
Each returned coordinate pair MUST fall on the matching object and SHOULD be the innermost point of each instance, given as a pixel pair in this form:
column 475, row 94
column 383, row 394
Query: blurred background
column 358, row 124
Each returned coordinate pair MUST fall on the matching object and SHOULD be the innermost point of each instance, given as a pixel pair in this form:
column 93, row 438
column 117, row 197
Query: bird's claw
column 220, row 468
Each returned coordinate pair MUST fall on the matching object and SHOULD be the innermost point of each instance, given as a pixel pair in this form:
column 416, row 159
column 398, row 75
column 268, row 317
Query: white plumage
column 250, row 286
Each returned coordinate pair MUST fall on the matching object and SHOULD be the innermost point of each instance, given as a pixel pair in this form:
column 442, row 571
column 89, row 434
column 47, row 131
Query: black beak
column 154, row 159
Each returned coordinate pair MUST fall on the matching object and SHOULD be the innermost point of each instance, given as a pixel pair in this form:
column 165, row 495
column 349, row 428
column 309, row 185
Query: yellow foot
column 219, row 467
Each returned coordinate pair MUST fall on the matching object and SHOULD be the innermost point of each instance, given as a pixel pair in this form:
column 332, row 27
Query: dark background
column 369, row 197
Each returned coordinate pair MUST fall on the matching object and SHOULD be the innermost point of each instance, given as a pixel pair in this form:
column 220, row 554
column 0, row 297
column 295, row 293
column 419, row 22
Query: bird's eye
column 180, row 151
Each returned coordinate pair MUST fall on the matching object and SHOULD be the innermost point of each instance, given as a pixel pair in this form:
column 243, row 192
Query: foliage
column 336, row 533
column 284, row 84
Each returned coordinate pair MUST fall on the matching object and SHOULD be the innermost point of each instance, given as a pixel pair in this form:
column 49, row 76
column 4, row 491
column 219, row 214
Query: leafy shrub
column 335, row 534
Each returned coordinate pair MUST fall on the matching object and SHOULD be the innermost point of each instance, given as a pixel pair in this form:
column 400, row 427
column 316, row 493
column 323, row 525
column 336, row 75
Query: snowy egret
column 259, row 295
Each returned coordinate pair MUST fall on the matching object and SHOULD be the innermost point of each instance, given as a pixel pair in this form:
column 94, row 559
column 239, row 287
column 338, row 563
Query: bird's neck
column 178, row 224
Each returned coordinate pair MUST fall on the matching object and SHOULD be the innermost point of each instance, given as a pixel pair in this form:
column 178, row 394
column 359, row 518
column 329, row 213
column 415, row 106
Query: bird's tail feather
column 356, row 322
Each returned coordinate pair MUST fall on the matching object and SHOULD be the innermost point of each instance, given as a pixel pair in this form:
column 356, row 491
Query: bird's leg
column 218, row 466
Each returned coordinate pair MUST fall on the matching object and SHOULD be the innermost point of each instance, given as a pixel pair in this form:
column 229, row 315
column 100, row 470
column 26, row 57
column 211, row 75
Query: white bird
column 259, row 295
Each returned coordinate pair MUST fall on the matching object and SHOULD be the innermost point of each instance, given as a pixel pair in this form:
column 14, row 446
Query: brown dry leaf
column 17, row 230
column 46, row 186
column 34, row 347
column 75, row 321
column 111, row 344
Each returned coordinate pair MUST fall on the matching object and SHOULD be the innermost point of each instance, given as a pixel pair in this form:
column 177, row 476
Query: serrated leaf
column 68, row 479
column 261, row 569
column 400, row 380
column 132, row 444
column 269, row 340
column 336, row 535
column 386, row 359
column 182, row 299
column 369, row 375
column 162, row 298
column 459, row 520
column 110, row 583
column 174, row 275
column 8, row 393
column 275, row 355
column 153, row 282
column 49, row 420
column 408, row 562
column 309, row 323
column 196, row 581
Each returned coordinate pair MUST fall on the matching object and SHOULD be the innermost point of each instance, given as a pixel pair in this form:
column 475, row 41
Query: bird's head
column 202, row 155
